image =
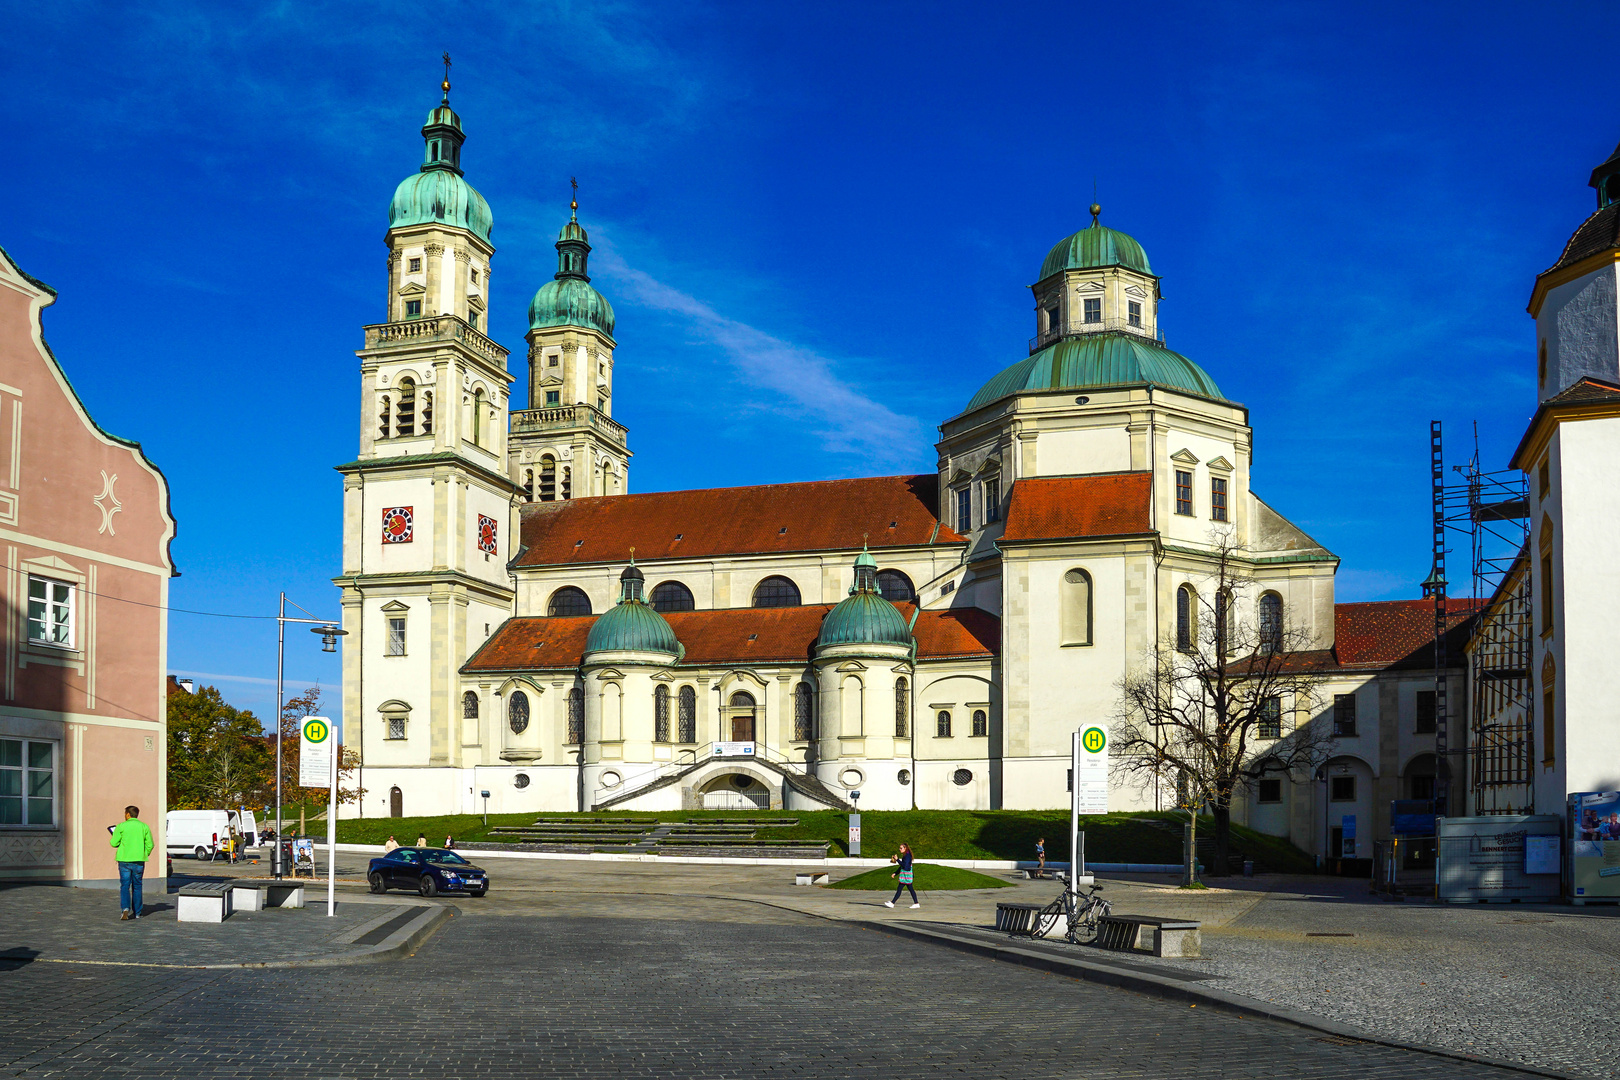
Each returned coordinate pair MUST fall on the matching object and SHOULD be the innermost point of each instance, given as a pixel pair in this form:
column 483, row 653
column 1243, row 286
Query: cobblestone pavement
column 590, row 997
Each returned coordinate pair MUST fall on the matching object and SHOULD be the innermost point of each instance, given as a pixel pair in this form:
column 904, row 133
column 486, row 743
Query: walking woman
column 904, row 875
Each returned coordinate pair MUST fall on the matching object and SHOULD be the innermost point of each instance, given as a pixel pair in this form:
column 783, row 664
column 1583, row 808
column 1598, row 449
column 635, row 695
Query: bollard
column 1248, row 868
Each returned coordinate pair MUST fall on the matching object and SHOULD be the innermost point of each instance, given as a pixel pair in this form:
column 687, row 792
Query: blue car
column 429, row 871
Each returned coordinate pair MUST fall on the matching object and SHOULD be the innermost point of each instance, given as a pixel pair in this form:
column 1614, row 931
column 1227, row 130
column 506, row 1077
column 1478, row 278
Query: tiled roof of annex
column 768, row 519
column 1399, row 634
column 1060, row 507
column 730, row 636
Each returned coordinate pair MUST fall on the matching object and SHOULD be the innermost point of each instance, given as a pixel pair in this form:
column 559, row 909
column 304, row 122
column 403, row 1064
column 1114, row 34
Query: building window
column 1544, row 479
column 1076, row 609
column 942, row 724
column 981, row 724
column 472, row 319
column 1549, row 712
column 469, row 706
column 1217, row 498
column 413, row 309
column 385, row 418
column 427, row 412
column 961, row 778
column 1546, row 541
column 661, row 713
column 1186, row 619
column 1184, row 502
column 553, row 397
column 1270, row 791
column 50, row 611
column 1541, row 364
column 1053, row 320
column 517, row 712
column 1133, row 312
column 472, row 275
column 964, row 510
column 1270, row 723
column 576, row 717
column 686, row 716
column 902, row 708
column 904, row 776
column 396, row 635
column 567, row 483
column 520, row 781
column 776, row 592
column 553, row 360
column 1422, row 786
column 548, row 479
column 416, row 266
column 27, row 782
column 803, row 714
column 1425, row 712
column 569, row 601
column 672, row 596
column 405, row 411
column 1342, row 788
column 1271, row 622
column 895, row 587
column 1093, row 309
column 396, row 727
column 1344, row 715
column 601, row 404
column 992, row 499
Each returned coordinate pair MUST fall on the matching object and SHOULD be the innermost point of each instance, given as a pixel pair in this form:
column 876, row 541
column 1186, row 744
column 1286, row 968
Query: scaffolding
column 1492, row 509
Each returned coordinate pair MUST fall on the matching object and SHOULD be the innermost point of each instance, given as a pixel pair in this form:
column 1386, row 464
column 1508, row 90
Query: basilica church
column 527, row 634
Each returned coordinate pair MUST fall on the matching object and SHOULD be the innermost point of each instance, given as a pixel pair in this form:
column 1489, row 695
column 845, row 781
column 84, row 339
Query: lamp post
column 329, row 634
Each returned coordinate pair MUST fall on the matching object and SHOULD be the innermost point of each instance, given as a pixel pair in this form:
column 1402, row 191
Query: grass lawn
column 932, row 834
column 928, row 876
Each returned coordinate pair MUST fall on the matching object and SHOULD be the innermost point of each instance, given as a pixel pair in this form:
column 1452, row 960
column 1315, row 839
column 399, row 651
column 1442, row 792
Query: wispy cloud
column 254, row 679
column 803, row 382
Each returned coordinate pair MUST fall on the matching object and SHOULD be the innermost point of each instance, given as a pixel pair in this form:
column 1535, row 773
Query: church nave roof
column 1060, row 507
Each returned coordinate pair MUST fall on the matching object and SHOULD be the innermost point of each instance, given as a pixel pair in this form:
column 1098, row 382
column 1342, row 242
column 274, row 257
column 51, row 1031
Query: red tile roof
column 1399, row 633
column 1059, row 507
column 889, row 511
column 730, row 636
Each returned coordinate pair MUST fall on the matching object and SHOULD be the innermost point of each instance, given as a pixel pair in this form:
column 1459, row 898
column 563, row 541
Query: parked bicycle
column 1080, row 917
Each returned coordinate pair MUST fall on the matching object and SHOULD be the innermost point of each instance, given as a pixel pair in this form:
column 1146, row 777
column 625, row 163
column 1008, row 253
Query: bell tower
column 566, row 444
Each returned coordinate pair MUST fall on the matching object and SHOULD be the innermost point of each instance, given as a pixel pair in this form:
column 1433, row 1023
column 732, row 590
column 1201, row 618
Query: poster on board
column 1595, row 858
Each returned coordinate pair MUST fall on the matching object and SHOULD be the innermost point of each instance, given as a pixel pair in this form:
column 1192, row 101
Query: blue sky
column 817, row 225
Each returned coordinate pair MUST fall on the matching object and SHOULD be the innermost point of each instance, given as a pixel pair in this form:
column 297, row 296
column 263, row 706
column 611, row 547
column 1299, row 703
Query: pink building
column 84, row 538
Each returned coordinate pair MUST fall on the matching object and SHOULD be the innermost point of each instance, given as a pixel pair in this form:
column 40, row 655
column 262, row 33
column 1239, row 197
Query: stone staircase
column 735, row 837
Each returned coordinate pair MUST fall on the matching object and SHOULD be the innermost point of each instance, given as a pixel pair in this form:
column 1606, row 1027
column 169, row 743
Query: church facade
column 521, row 624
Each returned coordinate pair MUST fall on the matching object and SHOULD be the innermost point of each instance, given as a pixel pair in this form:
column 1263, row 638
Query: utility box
column 1483, row 859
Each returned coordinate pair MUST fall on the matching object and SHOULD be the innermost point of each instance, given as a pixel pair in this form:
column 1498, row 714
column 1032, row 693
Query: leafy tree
column 218, row 755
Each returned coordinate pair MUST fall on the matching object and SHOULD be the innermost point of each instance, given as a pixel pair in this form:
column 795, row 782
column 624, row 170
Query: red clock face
column 486, row 534
column 397, row 525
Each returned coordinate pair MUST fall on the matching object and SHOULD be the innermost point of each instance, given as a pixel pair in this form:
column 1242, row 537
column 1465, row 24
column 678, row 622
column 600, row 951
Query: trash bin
column 1248, row 868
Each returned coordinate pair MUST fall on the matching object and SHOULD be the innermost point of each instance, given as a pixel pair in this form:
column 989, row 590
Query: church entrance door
column 396, row 803
column 742, row 729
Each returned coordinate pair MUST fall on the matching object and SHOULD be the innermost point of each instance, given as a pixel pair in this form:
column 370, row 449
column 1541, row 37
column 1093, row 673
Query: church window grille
column 469, row 705
column 427, row 412
column 396, row 637
column 1093, row 307
column 1271, row 622
column 942, row 724
column 992, row 499
column 776, row 592
column 964, row 511
column 1133, row 312
column 981, row 724
column 1076, row 609
column 416, row 266
column 548, row 479
column 569, row 601
column 803, row 716
column 686, row 715
column 895, row 587
column 1186, row 619
column 672, row 596
column 902, row 708
column 553, row 360
column 962, row 777
column 553, row 397
column 1217, row 498
column 1184, row 499
column 576, row 716
column 517, row 712
column 405, row 411
column 413, row 309
column 385, row 418
column 904, row 777
column 1270, row 722
column 396, row 728
column 567, row 483
column 661, row 714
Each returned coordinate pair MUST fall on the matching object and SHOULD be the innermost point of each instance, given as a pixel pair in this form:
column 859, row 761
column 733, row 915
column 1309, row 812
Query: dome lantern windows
column 1133, row 312
column 1093, row 309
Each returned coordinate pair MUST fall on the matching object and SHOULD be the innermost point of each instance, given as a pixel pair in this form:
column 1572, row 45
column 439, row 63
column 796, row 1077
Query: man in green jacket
column 132, row 843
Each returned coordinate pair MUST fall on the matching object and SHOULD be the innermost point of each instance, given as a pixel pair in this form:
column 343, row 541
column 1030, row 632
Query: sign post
column 317, row 767
column 1090, row 792
column 855, row 825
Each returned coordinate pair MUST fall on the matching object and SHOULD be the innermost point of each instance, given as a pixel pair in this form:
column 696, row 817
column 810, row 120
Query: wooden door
column 742, row 729
column 396, row 803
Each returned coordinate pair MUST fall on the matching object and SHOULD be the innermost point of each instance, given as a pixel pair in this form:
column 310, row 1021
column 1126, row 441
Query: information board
column 1091, row 785
column 733, row 749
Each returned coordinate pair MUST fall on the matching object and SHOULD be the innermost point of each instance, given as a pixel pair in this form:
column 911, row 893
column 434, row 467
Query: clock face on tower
column 486, row 534
column 396, row 525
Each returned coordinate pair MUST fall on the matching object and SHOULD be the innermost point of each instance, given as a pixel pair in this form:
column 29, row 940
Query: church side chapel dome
column 632, row 625
column 438, row 193
column 1095, row 247
column 569, row 299
column 864, row 617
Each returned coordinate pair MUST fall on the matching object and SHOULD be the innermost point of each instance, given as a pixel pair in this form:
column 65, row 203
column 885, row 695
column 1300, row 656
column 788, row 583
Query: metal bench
column 1169, row 937
column 256, row 895
column 1017, row 918
column 204, row 902
column 810, row 877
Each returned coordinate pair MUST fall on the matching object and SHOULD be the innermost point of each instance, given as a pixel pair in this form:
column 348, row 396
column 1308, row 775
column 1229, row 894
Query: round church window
column 520, row 781
column 743, row 782
column 611, row 779
column 851, row 778
column 905, row 777
column 961, row 778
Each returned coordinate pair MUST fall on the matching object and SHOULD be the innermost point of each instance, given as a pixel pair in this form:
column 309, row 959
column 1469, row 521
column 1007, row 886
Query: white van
column 202, row 832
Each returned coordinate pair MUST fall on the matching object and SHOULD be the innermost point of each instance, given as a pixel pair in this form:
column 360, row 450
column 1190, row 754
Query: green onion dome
column 1089, row 361
column 632, row 625
column 438, row 193
column 864, row 617
column 571, row 301
column 1095, row 247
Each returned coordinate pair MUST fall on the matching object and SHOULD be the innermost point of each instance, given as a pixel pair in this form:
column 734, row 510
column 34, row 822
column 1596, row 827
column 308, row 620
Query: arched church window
column 469, row 705
column 981, row 723
column 1271, row 622
column 894, row 586
column 661, row 713
column 405, row 411
column 672, row 596
column 686, row 715
column 803, row 716
column 776, row 591
column 1186, row 619
column 548, row 478
column 1076, row 608
column 569, row 601
column 576, row 716
column 385, row 418
column 942, row 724
column 517, row 712
column 902, row 708
column 478, row 417
column 427, row 412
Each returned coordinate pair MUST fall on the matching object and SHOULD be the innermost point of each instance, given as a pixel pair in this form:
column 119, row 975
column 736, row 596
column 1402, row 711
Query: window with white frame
column 27, row 782
column 50, row 611
column 396, row 635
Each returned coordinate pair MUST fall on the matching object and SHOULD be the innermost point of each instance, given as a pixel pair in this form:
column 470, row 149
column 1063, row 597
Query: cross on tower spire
column 445, row 86
column 573, row 203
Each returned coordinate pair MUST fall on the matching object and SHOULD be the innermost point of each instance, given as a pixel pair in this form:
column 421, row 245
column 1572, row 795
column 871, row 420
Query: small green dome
column 864, row 618
column 1094, row 247
column 442, row 196
column 632, row 625
column 1095, row 360
column 570, row 301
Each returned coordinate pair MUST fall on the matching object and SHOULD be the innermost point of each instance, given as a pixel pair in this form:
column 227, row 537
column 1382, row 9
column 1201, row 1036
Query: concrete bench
column 205, row 902
column 256, row 895
column 1169, row 937
column 1017, row 918
column 810, row 878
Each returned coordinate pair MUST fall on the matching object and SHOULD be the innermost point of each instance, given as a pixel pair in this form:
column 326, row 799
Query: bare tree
column 1204, row 712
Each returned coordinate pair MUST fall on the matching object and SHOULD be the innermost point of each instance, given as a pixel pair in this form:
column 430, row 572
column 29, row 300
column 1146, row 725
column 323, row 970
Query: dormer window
column 413, row 309
column 1093, row 309
column 416, row 266
column 1133, row 313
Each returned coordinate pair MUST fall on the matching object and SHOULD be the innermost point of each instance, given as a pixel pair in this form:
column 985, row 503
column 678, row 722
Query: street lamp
column 329, row 635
